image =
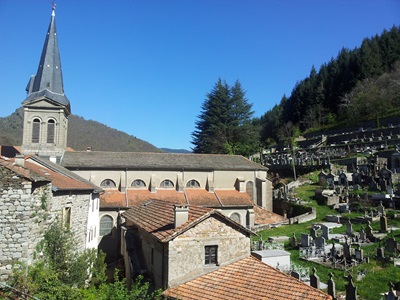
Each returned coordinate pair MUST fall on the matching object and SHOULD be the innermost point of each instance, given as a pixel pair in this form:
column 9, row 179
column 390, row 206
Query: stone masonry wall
column 27, row 211
column 15, row 222
column 186, row 252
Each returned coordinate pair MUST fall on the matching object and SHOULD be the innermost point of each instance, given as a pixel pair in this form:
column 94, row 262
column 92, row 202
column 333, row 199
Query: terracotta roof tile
column 37, row 169
column 263, row 216
column 233, row 198
column 157, row 218
column 247, row 278
column 201, row 197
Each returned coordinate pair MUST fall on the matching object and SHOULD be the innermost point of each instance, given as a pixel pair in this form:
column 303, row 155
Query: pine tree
column 224, row 125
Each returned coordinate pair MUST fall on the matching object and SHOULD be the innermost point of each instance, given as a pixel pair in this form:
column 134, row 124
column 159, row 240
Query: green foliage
column 347, row 89
column 224, row 126
column 61, row 273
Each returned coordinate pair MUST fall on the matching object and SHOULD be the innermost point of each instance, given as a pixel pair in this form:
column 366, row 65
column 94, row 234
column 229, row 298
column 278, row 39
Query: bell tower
column 46, row 108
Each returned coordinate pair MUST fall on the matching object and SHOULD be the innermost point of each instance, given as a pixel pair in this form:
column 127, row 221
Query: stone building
column 35, row 193
column 179, row 243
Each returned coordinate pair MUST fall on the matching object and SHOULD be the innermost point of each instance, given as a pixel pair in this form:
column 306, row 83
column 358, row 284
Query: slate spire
column 48, row 81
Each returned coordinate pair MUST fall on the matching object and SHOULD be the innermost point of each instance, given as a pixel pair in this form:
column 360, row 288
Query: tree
column 62, row 273
column 224, row 125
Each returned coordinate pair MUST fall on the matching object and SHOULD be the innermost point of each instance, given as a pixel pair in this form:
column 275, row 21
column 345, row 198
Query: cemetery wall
column 304, row 217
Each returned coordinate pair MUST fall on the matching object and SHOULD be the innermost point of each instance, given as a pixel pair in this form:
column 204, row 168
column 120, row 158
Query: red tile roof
column 247, row 278
column 157, row 218
column 201, row 197
column 233, row 198
column 263, row 216
column 36, row 169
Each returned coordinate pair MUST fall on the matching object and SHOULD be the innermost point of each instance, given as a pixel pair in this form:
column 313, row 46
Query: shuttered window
column 50, row 131
column 35, row 131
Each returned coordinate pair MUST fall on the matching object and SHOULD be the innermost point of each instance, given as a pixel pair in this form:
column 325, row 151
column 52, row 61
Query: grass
column 377, row 274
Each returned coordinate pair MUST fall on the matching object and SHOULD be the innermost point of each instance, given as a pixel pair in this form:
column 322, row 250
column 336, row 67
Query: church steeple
column 46, row 108
column 48, row 81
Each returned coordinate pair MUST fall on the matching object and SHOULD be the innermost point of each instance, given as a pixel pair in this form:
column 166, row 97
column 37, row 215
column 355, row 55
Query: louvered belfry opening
column 36, row 131
column 51, row 131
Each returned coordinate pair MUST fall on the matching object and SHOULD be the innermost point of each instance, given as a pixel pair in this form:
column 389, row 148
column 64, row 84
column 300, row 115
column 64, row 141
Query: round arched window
column 108, row 183
column 235, row 217
column 106, row 225
column 138, row 183
column 167, row 184
column 193, row 184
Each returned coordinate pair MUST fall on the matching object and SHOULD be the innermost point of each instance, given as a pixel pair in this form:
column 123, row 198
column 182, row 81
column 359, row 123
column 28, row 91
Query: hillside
column 81, row 134
column 358, row 85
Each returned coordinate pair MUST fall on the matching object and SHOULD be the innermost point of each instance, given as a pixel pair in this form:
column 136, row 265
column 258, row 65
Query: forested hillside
column 359, row 84
column 81, row 134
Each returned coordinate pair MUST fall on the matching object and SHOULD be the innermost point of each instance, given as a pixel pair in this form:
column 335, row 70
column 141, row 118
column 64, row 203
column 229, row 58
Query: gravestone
column 380, row 253
column 260, row 243
column 314, row 279
column 331, row 286
column 313, row 232
column 325, row 232
column 346, row 251
column 391, row 294
column 368, row 233
column 320, row 242
column 381, row 208
column 295, row 274
column 391, row 245
column 349, row 230
column 305, row 240
column 359, row 254
column 362, row 234
column 351, row 289
column 383, row 222
column 293, row 241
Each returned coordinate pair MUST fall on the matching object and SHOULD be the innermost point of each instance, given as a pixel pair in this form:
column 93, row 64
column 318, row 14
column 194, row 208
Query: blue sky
column 145, row 67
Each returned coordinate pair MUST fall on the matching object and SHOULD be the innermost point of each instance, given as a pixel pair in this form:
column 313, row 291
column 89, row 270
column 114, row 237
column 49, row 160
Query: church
column 234, row 186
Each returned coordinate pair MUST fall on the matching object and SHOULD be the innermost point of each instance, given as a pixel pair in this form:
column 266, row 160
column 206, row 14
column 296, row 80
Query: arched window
column 51, row 125
column 138, row 183
column 106, row 225
column 250, row 189
column 193, row 184
column 167, row 184
column 235, row 217
column 108, row 183
column 35, row 131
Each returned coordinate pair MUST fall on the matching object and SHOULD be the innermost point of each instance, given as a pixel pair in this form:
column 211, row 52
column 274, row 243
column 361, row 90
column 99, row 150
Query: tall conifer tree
column 224, row 124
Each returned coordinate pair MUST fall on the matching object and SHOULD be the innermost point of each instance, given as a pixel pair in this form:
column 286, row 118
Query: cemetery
column 351, row 247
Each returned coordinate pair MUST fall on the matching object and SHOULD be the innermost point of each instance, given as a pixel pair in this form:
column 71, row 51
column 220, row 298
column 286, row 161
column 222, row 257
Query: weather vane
column 53, row 5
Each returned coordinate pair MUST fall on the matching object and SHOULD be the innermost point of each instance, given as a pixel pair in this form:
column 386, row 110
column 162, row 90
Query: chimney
column 181, row 215
column 20, row 160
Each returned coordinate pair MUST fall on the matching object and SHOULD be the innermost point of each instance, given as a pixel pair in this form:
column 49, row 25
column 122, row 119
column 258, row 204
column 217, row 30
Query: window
column 138, row 183
column 193, row 184
column 108, row 183
column 210, row 255
column 67, row 216
column 235, row 217
column 35, row 131
column 106, row 225
column 249, row 189
column 50, row 131
column 167, row 184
